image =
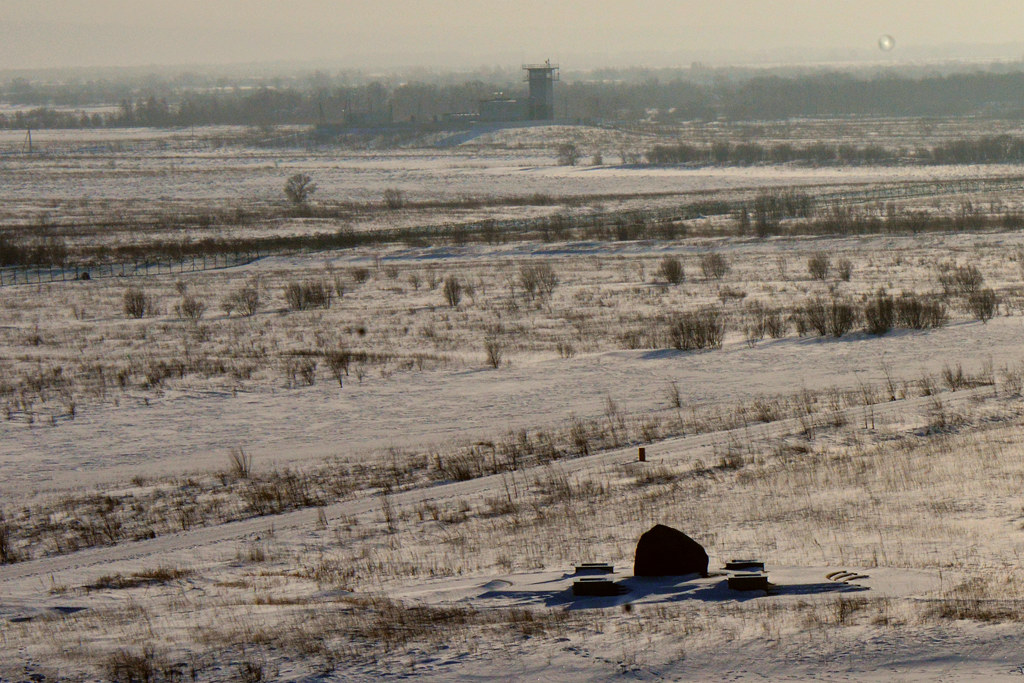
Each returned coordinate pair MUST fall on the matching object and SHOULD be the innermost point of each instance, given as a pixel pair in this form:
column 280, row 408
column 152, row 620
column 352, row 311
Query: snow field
column 379, row 534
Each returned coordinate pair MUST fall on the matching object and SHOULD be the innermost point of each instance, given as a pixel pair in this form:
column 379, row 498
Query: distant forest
column 684, row 95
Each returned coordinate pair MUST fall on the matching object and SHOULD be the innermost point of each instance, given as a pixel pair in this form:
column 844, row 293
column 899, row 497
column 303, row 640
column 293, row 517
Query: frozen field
column 396, row 482
column 173, row 167
column 192, row 428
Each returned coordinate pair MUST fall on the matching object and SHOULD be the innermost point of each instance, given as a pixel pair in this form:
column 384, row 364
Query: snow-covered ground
column 169, row 165
column 182, row 430
column 918, row 497
column 239, row 582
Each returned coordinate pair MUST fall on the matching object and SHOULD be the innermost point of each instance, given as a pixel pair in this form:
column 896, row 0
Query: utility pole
column 28, row 138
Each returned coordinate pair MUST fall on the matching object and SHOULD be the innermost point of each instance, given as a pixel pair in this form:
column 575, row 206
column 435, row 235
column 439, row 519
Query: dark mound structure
column 664, row 551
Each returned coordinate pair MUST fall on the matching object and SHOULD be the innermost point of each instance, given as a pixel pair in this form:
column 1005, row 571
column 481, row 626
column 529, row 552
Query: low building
column 501, row 109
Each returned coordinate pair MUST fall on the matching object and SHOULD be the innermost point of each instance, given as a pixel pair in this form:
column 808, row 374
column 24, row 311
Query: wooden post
column 641, row 454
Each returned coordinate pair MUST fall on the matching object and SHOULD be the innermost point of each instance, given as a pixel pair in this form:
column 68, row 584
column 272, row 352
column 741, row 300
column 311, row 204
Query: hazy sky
column 45, row 33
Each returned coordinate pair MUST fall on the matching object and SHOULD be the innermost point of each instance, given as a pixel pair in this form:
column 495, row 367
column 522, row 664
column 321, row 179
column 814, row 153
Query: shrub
column 982, row 304
column 810, row 317
column 394, row 198
column 538, row 279
column 452, row 291
column 360, row 274
column 879, row 313
column 307, row 370
column 818, row 265
column 136, row 302
column 239, row 463
column 844, row 269
column 302, row 296
column 916, row 312
column 743, row 221
column 754, row 325
column 962, row 280
column 700, row 329
column 671, row 268
column 842, row 317
column 753, row 332
column 128, row 666
column 494, row 350
column 833, row 317
column 338, row 362
column 568, row 154
column 761, row 321
column 775, row 323
column 714, row 265
column 190, row 308
column 247, row 300
column 7, row 553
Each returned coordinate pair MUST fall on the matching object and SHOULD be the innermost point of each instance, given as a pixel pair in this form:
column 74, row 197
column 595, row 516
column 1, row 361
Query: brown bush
column 818, row 265
column 302, row 296
column 671, row 268
column 714, row 265
column 700, row 329
column 136, row 303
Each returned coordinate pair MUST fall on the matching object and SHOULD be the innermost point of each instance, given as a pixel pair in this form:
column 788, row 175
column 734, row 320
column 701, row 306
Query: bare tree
column 299, row 188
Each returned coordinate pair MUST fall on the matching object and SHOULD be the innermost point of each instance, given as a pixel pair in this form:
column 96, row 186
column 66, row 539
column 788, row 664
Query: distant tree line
column 1003, row 149
column 765, row 97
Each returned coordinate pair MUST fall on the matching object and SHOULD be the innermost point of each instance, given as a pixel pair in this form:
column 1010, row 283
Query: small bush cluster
column 302, row 296
column 190, row 308
column 671, row 268
column 883, row 312
column 568, row 154
column 136, row 303
column 338, row 362
column 714, row 265
column 879, row 313
column 918, row 312
column 703, row 328
column 7, row 553
column 844, row 269
column 394, row 198
column 827, row 317
column 452, row 291
column 139, row 666
column 494, row 350
column 818, row 265
column 245, row 300
column 538, row 279
column 982, row 304
column 960, row 280
column 762, row 321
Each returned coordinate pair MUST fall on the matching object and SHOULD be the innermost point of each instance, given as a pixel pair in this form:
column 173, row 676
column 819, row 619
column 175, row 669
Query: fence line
column 30, row 275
